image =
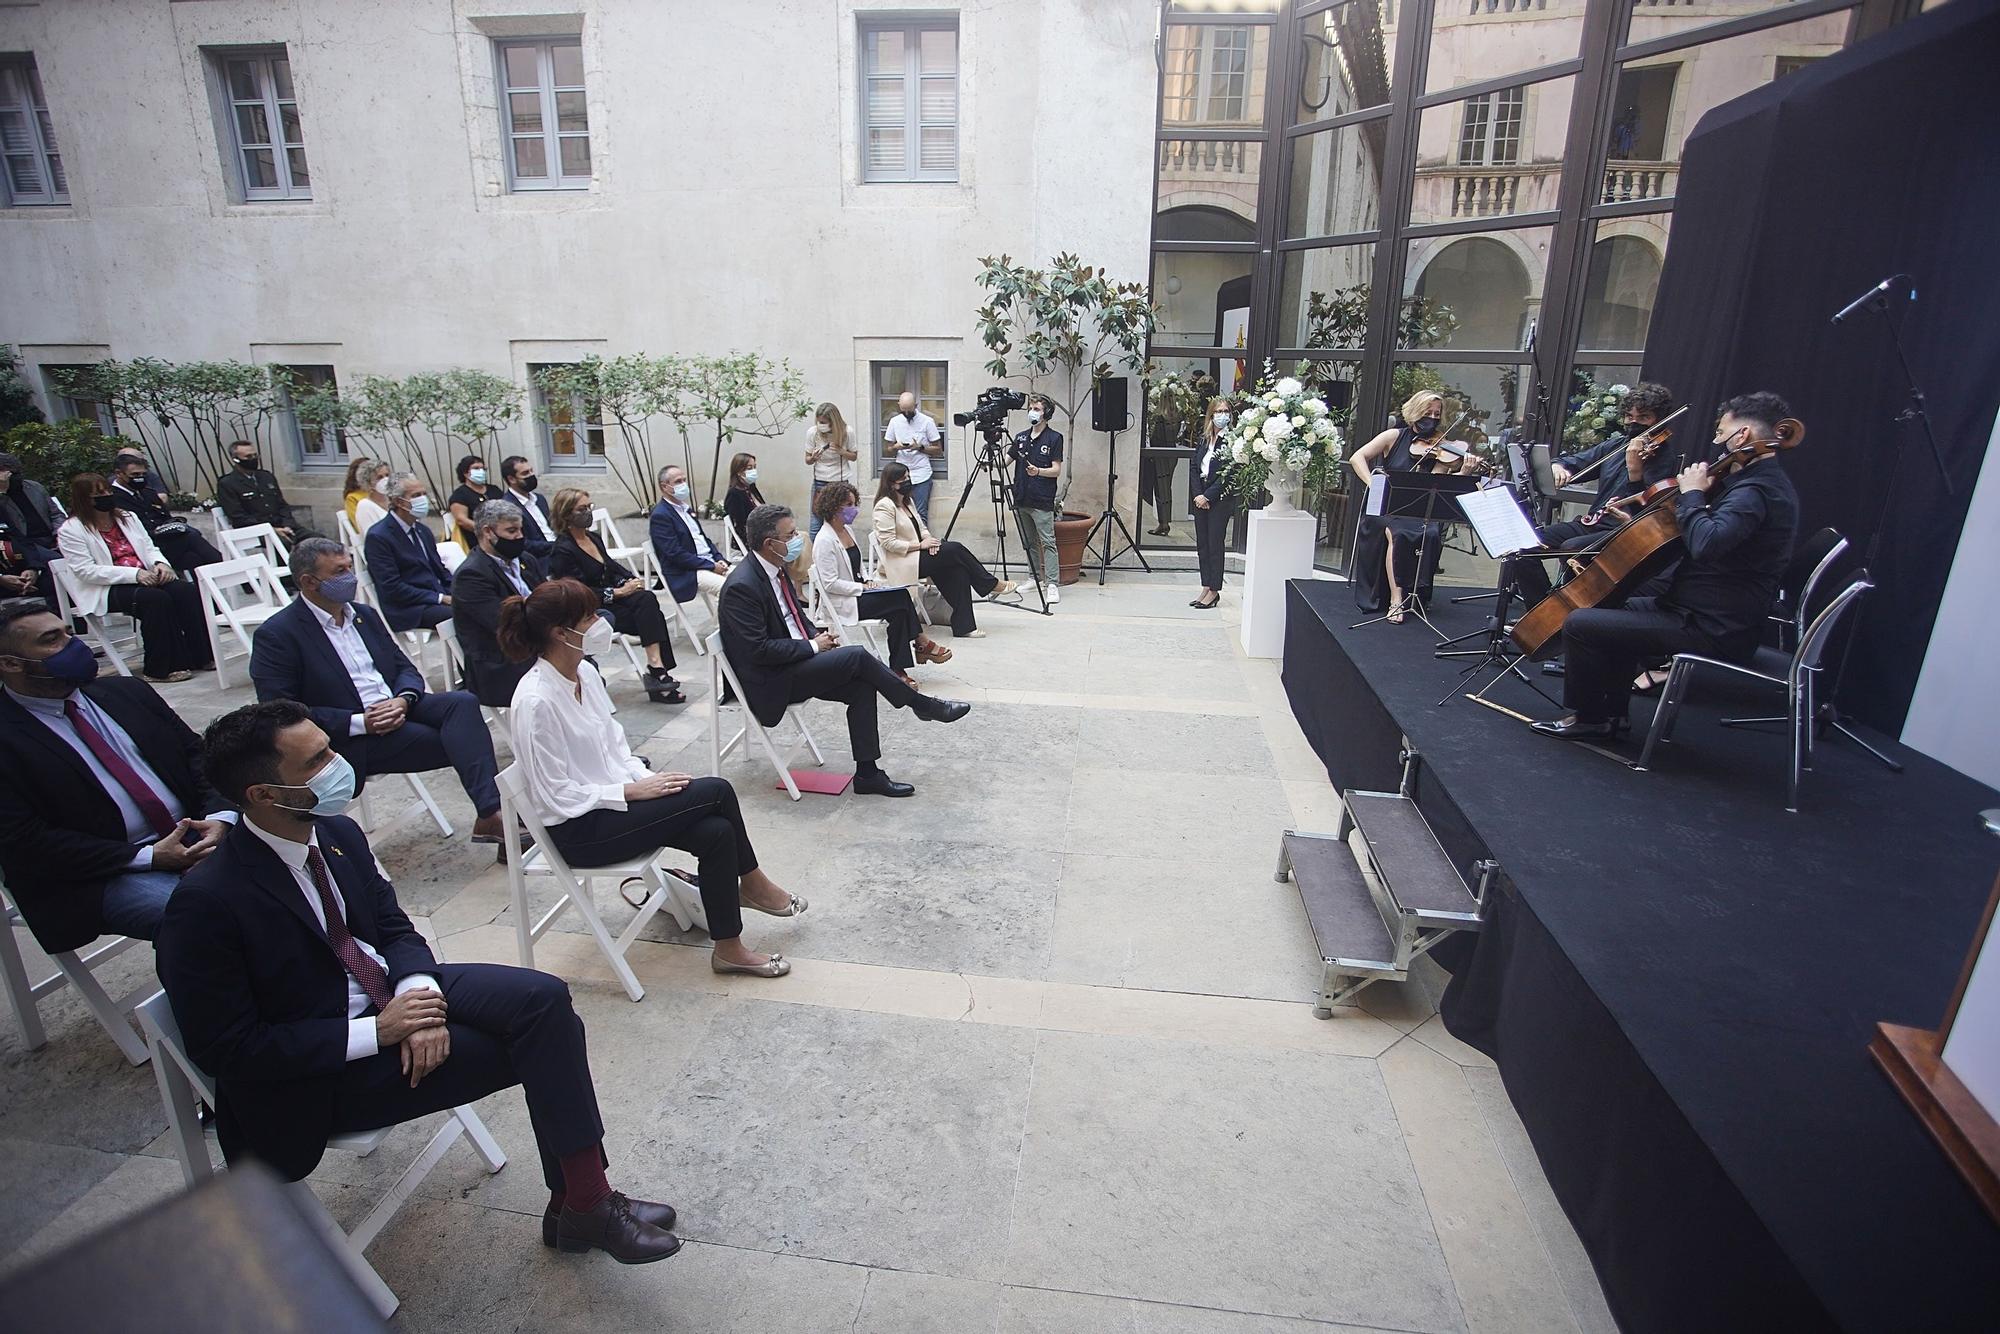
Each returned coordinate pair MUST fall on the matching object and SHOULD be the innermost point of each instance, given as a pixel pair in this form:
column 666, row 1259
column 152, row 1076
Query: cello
column 1636, row 552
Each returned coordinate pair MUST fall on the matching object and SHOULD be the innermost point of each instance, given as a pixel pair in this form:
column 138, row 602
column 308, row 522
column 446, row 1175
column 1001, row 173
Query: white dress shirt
column 352, row 651
column 534, row 514
column 780, row 585
column 701, row 546
column 829, row 466
column 909, row 436
column 572, row 752
column 361, row 1039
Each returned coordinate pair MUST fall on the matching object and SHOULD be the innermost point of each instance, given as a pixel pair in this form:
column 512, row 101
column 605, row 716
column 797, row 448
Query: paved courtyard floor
column 1047, row 1060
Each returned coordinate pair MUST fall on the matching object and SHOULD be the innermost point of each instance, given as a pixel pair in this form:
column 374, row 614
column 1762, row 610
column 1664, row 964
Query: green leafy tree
column 428, row 420
column 54, row 452
column 742, row 394
column 626, row 393
column 1061, row 329
column 17, row 398
column 184, row 413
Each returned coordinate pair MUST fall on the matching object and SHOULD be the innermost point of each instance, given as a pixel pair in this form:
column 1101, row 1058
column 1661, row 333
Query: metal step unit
column 1372, row 917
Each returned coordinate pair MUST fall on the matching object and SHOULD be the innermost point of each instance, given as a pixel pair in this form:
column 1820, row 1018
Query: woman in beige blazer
column 114, row 566
column 910, row 551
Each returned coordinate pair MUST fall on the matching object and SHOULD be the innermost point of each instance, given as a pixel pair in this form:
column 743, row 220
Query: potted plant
column 1285, row 439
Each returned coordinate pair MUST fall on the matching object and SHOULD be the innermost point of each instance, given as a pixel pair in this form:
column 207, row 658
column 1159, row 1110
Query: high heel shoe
column 929, row 650
column 662, row 689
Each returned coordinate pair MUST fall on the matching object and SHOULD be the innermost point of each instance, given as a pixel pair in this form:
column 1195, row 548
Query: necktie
column 142, row 794
column 792, row 604
column 374, row 982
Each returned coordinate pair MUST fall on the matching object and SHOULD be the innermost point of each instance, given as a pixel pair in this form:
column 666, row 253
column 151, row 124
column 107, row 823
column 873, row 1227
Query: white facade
column 726, row 209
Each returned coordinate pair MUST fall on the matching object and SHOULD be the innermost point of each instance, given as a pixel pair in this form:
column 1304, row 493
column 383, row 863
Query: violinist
column 1395, row 558
column 1738, row 520
column 1647, row 459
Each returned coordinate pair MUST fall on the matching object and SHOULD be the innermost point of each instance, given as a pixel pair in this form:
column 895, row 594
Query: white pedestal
column 1281, row 548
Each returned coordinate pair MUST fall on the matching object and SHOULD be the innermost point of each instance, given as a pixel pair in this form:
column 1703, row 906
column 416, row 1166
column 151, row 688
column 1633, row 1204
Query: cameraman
column 1038, row 464
column 917, row 441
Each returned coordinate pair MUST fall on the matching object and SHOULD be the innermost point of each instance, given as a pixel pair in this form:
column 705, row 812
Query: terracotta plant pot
column 1071, row 529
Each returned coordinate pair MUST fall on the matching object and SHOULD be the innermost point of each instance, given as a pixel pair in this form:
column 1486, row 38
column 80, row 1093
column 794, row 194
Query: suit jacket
column 898, row 531
column 88, row 558
column 291, row 658
column 1212, row 481
column 406, row 579
column 250, row 498
column 538, row 546
column 259, row 994
column 760, row 647
column 673, row 547
column 477, row 591
column 61, row 835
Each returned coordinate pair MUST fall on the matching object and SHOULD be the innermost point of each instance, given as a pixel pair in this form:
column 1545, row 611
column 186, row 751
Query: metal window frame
column 333, row 438
column 21, row 69
column 102, row 412
column 551, row 134
column 260, row 58
column 913, row 123
column 581, row 425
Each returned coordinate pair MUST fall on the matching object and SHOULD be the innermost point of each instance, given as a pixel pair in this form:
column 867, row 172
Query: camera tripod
column 987, row 460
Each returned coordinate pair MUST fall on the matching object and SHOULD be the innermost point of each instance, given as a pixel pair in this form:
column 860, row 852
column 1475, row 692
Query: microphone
column 1875, row 293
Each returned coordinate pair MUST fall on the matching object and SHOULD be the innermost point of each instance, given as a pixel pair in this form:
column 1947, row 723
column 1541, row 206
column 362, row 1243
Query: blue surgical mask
column 477, row 477
column 332, row 789
column 420, row 506
column 795, row 548
column 749, row 477
column 681, row 493
column 73, row 664
column 340, row 587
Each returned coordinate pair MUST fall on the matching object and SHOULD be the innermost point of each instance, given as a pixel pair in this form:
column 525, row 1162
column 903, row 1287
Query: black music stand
column 1429, row 497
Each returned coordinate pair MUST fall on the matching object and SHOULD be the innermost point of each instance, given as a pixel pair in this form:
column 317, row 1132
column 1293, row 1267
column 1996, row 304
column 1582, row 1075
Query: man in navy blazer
column 691, row 564
column 410, row 577
column 335, row 656
column 299, row 983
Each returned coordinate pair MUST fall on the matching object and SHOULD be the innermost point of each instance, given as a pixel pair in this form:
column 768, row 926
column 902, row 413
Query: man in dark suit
column 184, row 548
column 335, row 656
column 501, row 568
column 782, row 658
column 101, row 788
column 410, row 577
column 300, row 985
column 251, row 495
column 691, row 564
column 517, row 474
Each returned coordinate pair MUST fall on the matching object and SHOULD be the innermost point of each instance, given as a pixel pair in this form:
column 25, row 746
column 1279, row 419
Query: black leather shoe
column 1574, row 728
column 934, row 710
column 613, row 1227
column 879, row 784
column 661, row 1216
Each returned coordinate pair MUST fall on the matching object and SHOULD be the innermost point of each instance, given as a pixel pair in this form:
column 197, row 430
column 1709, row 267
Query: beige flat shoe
column 792, row 909
column 1002, row 589
column 776, row 966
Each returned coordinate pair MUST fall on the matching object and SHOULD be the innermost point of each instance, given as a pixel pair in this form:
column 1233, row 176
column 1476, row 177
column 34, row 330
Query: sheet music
column 1378, row 491
column 1497, row 517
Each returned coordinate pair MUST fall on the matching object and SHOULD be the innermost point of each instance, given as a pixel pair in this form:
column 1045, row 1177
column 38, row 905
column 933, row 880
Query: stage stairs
column 1375, row 909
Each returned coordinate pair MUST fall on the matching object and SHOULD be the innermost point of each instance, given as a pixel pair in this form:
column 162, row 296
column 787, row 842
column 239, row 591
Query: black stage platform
column 1679, row 982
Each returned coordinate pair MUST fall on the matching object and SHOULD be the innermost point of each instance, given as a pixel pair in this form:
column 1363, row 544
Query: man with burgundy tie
column 103, row 802
column 301, row 986
column 782, row 658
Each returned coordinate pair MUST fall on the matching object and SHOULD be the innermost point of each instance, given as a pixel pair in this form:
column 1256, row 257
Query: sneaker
column 1053, row 593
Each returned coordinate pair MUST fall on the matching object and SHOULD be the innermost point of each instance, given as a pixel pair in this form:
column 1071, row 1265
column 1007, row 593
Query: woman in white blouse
column 600, row 803
column 373, row 507
column 114, row 566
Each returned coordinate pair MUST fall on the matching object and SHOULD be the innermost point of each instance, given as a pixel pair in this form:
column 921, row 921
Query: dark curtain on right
column 1794, row 199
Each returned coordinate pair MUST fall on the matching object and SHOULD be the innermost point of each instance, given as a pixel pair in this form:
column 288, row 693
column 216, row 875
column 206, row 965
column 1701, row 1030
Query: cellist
column 1737, row 526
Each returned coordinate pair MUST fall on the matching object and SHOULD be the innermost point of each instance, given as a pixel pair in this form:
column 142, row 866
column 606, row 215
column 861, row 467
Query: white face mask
column 824, row 429
column 382, row 484
column 1034, row 416
column 1221, row 421
column 597, row 639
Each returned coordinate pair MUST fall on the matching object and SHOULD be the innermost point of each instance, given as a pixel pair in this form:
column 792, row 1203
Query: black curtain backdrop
column 1793, row 200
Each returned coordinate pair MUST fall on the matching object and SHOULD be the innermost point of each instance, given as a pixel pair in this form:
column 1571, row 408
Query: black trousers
column 187, row 551
column 172, row 626
column 856, row 678
column 508, row 1026
column 1603, row 651
column 1211, row 538
column 958, row 574
column 702, row 818
column 640, row 615
column 440, row 731
column 894, row 606
column 1156, row 485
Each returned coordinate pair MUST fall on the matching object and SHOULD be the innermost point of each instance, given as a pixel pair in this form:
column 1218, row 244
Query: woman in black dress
column 631, row 605
column 743, row 495
column 1395, row 558
column 473, row 491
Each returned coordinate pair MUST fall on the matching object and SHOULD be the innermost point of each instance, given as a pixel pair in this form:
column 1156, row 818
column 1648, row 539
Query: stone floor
column 1047, row 1061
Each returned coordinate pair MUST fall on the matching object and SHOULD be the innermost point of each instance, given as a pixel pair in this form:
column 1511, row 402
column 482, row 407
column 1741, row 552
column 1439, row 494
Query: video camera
column 989, row 413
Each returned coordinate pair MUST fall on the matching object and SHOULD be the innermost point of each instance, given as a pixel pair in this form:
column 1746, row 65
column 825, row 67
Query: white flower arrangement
column 1285, row 426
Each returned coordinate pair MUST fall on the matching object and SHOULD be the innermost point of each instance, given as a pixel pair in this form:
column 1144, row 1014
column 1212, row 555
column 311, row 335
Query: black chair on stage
column 1797, row 673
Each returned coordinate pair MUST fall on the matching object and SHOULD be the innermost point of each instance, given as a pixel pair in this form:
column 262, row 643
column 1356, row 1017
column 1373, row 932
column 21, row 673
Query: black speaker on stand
column 1109, row 414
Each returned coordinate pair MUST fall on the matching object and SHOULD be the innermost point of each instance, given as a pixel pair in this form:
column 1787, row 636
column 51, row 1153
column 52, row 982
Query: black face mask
column 526, row 485
column 1426, row 426
column 248, row 464
column 509, row 548
column 106, row 504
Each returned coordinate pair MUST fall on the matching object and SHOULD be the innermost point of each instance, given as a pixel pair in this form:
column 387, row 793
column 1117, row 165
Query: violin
column 1649, row 442
column 1428, row 456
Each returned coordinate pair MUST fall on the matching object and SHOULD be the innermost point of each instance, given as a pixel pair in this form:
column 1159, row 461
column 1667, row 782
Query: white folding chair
column 732, row 545
column 719, row 671
column 221, row 522
column 260, row 540
column 417, row 641
column 96, row 631
column 638, row 558
column 73, row 969
column 255, row 583
column 421, row 797
column 349, row 535
column 181, row 1081
column 675, row 895
column 366, row 591
column 871, row 559
column 874, row 629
